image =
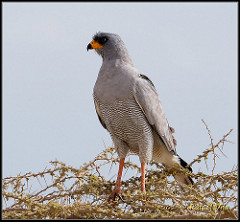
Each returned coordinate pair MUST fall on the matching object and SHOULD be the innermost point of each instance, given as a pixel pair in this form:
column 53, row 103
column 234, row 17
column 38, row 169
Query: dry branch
column 66, row 192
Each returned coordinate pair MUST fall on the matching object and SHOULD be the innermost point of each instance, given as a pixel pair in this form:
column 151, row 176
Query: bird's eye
column 104, row 39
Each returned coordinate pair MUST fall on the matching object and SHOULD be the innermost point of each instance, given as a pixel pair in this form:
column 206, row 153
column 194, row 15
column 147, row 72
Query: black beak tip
column 89, row 46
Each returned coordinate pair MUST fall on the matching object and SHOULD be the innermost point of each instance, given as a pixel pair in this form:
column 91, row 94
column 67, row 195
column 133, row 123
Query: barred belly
column 126, row 120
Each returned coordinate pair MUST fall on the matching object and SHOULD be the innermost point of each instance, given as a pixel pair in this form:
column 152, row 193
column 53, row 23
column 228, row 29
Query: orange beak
column 94, row 45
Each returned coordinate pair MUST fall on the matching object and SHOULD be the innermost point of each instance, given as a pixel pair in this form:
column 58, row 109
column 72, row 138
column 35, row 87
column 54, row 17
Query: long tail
column 182, row 178
column 172, row 160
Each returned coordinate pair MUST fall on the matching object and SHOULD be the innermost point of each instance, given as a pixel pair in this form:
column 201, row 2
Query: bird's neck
column 117, row 55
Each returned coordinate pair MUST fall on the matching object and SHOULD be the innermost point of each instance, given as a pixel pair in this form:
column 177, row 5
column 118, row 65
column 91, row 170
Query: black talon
column 120, row 197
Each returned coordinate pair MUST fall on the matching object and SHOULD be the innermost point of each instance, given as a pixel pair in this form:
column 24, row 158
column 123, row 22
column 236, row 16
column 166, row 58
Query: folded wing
column 148, row 100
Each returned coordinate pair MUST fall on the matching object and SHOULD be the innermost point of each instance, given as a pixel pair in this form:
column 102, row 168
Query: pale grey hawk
column 128, row 106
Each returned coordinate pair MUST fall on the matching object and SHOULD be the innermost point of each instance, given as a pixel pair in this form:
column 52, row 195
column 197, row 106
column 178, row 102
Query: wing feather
column 148, row 100
column 98, row 111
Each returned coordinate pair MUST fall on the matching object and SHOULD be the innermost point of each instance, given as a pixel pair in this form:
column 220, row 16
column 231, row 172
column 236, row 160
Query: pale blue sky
column 189, row 51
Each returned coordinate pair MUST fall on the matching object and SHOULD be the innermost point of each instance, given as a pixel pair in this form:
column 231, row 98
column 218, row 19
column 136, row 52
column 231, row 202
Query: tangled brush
column 72, row 193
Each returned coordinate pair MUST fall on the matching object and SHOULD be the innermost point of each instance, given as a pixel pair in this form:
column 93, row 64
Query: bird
column 129, row 108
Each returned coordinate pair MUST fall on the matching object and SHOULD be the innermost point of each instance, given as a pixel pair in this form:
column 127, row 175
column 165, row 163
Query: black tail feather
column 184, row 165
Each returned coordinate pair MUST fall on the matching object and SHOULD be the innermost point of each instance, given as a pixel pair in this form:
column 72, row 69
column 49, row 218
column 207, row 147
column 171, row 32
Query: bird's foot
column 117, row 192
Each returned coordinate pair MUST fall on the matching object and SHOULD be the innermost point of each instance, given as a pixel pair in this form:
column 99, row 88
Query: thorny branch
column 212, row 148
column 81, row 193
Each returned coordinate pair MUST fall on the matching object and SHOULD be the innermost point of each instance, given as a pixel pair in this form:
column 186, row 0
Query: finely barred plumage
column 129, row 107
column 126, row 121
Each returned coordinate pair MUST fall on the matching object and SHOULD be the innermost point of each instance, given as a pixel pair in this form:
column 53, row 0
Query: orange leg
column 143, row 177
column 117, row 189
column 118, row 182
